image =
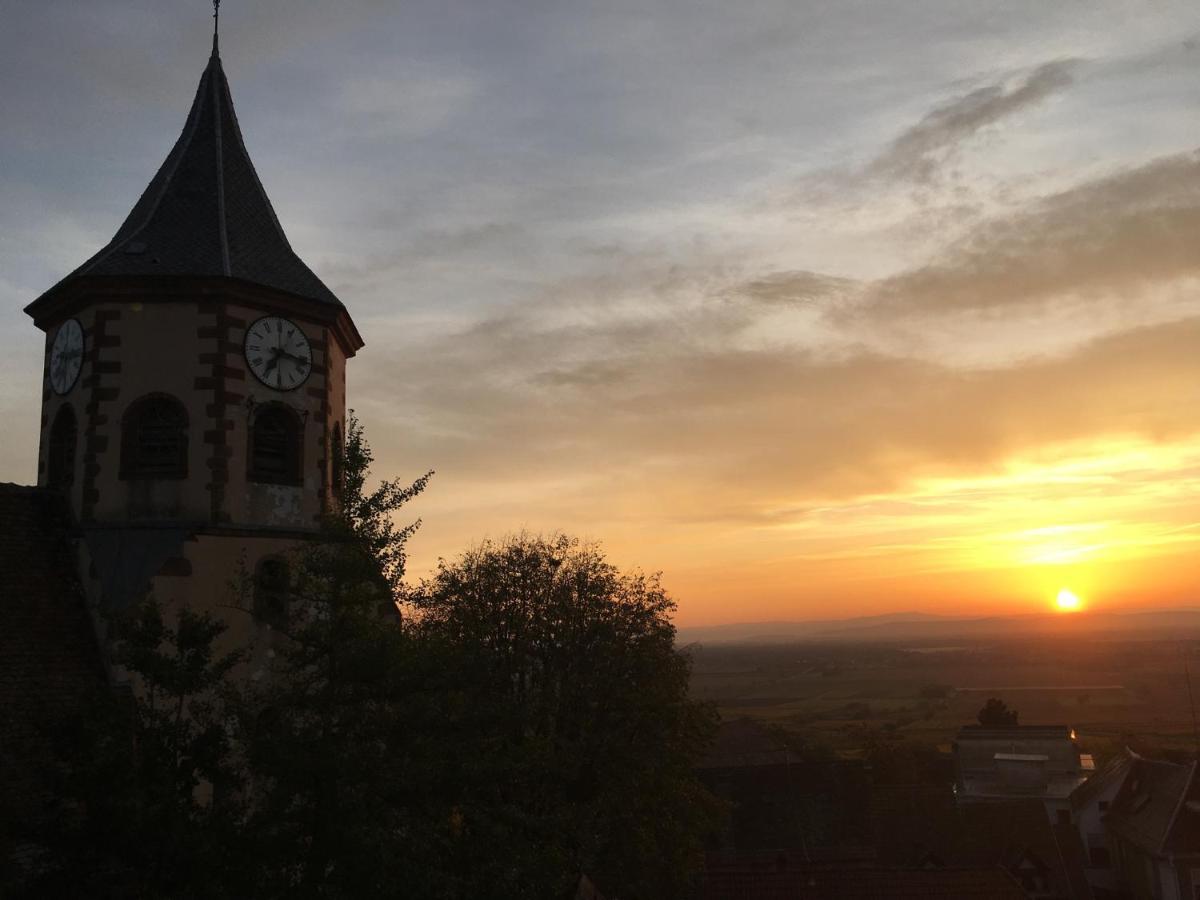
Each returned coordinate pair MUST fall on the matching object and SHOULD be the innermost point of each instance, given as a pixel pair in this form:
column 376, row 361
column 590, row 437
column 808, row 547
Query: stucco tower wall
column 192, row 351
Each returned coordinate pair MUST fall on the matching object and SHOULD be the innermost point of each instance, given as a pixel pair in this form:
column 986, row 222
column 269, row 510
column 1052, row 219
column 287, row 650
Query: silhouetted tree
column 574, row 732
column 996, row 714
column 134, row 778
column 804, row 744
column 336, row 735
column 895, row 760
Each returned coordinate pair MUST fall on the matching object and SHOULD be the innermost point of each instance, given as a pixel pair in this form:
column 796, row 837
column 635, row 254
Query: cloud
column 1104, row 255
column 919, row 152
column 1110, row 237
column 796, row 287
column 923, row 186
column 716, row 376
column 521, row 399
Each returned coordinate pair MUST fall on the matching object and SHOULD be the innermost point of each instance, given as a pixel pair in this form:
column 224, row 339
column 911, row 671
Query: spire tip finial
column 216, row 23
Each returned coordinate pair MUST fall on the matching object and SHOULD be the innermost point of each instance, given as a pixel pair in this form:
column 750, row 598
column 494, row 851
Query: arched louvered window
column 337, row 459
column 275, row 445
column 154, row 439
column 272, row 591
column 60, row 458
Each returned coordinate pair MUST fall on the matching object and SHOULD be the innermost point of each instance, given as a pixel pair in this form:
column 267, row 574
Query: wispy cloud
column 796, row 287
column 1112, row 237
column 921, row 151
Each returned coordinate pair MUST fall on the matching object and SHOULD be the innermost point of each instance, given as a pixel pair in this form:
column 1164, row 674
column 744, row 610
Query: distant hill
column 915, row 626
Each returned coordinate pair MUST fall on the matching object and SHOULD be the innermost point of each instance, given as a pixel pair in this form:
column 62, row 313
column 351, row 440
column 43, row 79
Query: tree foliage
column 333, row 809
column 895, row 760
column 996, row 714
column 135, row 777
column 361, row 527
column 576, row 734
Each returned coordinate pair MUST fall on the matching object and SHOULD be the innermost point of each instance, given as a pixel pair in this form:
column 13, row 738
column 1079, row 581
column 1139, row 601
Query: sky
column 820, row 309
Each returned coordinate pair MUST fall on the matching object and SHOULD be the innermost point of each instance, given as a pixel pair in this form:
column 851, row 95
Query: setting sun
column 1067, row 601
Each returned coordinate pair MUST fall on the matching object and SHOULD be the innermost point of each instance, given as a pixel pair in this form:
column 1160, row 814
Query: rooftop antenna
column 216, row 23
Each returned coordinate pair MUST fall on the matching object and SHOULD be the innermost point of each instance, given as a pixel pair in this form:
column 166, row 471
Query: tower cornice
column 75, row 294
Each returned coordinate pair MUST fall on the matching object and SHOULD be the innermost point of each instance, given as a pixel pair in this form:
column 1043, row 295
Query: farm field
column 1112, row 692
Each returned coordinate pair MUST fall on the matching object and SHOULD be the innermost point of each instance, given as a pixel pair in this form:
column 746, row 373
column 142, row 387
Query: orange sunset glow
column 1113, row 519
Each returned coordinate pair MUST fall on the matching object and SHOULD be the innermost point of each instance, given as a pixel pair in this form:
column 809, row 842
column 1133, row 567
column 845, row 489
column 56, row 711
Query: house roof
column 827, row 883
column 1151, row 811
column 205, row 213
column 988, row 760
column 1021, row 757
column 917, row 823
column 1109, row 775
column 1184, row 834
column 1013, row 732
column 49, row 657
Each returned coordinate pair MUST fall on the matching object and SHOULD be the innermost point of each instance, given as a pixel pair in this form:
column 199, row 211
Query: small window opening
column 275, row 446
column 60, row 462
column 154, row 443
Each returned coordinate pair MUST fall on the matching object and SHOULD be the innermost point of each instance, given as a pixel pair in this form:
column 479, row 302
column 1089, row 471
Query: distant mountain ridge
column 918, row 626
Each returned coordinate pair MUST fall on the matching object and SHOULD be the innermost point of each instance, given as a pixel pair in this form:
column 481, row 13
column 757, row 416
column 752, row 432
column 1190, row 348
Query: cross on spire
column 216, row 23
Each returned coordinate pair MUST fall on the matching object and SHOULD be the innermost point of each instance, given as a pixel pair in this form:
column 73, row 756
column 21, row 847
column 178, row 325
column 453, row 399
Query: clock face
column 278, row 353
column 66, row 356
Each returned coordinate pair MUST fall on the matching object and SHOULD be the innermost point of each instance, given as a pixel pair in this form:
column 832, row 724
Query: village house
column 1153, row 828
column 1020, row 762
column 1090, row 803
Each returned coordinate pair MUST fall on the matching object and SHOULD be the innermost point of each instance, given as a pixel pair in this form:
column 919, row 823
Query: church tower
column 194, row 390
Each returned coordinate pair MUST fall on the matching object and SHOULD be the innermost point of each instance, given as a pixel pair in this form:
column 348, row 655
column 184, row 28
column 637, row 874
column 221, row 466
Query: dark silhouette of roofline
column 991, row 731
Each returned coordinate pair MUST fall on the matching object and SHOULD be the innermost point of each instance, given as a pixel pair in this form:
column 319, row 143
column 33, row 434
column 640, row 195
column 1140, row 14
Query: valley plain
column 1115, row 689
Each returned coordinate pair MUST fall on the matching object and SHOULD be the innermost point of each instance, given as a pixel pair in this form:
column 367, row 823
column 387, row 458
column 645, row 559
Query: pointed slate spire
column 205, row 213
